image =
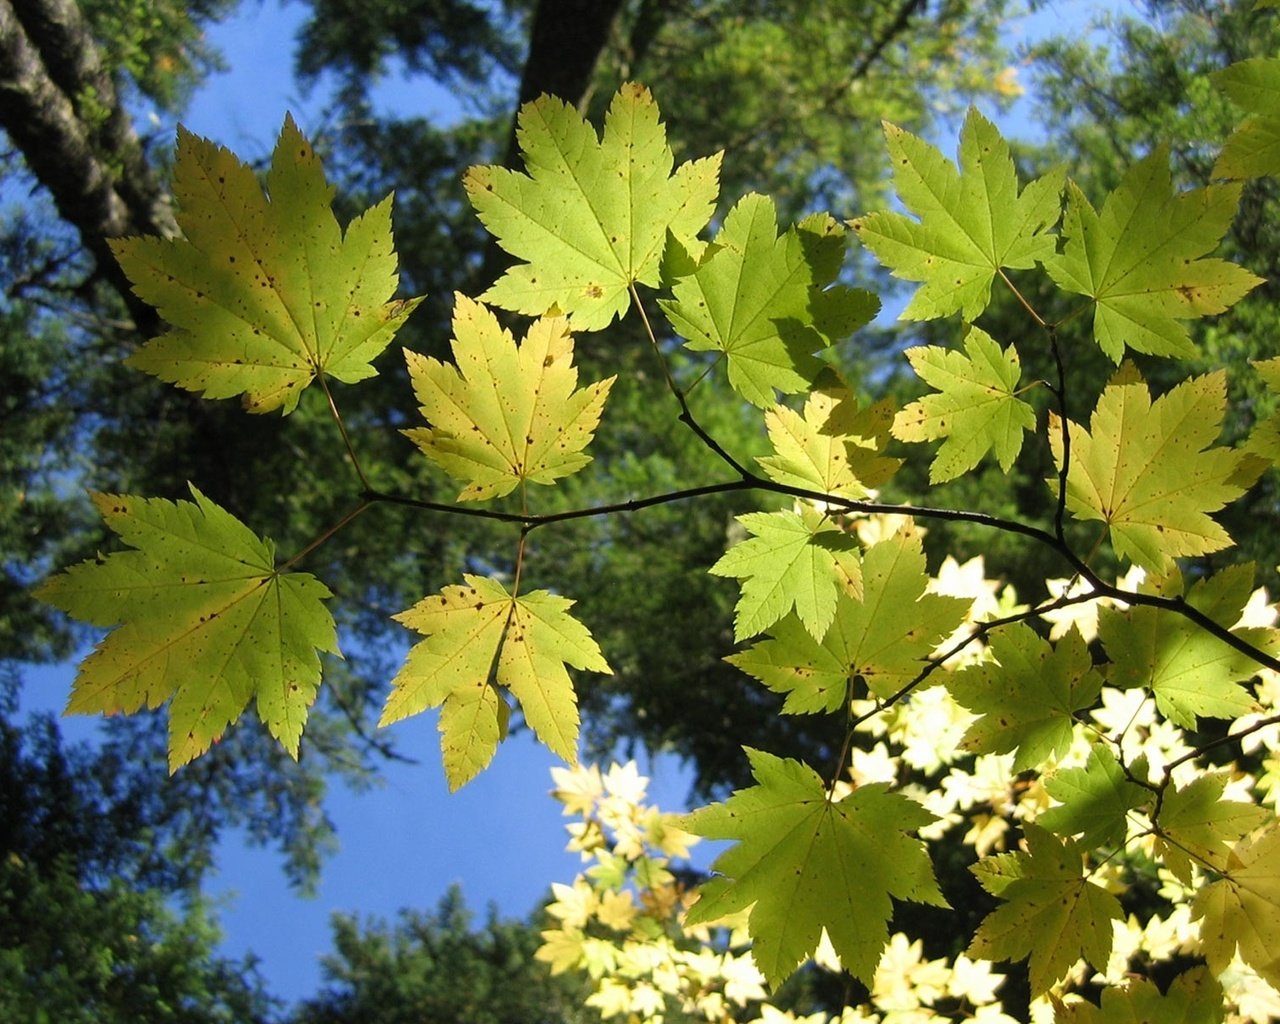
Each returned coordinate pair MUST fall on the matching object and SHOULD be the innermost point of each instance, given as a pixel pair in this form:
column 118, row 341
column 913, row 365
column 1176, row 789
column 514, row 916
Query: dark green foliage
column 438, row 967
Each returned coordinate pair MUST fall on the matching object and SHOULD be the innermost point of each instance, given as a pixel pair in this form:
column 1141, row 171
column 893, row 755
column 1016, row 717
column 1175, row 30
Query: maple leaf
column 1028, row 697
column 1147, row 471
column 263, row 297
column 973, row 221
column 591, row 216
column 1094, row 800
column 479, row 635
column 1190, row 672
column 801, row 561
column 1242, row 909
column 505, row 414
column 203, row 618
column 1196, row 821
column 833, row 447
column 766, row 301
column 1052, row 914
column 1253, row 149
column 882, row 639
column 1194, row 997
column 975, row 409
column 804, row 862
column 1139, row 259
column 1265, row 436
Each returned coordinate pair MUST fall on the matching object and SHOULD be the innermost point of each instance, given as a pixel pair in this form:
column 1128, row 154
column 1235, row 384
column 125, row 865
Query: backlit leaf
column 479, row 637
column 590, row 217
column 1190, row 672
column 833, row 447
column 505, row 414
column 1094, row 801
column 1194, row 997
column 801, row 561
column 972, row 221
column 1242, row 909
column 264, row 296
column 767, row 302
column 1028, row 697
column 804, row 862
column 203, row 619
column 1052, row 915
column 882, row 639
column 1140, row 259
column 975, row 408
column 1147, row 471
column 1196, row 822
column 1253, row 150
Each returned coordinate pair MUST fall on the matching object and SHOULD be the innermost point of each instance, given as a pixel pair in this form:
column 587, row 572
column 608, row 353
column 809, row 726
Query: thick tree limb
column 566, row 40
column 85, row 180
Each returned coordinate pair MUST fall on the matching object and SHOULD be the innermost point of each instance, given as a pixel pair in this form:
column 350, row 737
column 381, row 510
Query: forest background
column 100, row 814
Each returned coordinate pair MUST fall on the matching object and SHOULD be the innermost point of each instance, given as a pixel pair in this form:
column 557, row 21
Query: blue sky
column 404, row 844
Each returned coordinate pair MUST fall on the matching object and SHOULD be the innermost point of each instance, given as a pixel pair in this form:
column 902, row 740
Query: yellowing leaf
column 833, row 447
column 1253, row 150
column 1147, row 471
column 264, row 296
column 1052, row 915
column 881, row 639
column 1242, row 909
column 791, row 561
column 1265, row 438
column 591, row 216
column 767, row 302
column 1028, row 696
column 1189, row 671
column 804, row 862
column 202, row 616
column 1139, row 259
column 478, row 635
column 975, row 409
column 505, row 414
column 973, row 221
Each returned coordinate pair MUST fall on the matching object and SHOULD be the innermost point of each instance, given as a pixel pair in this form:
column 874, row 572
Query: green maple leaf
column 1195, row 821
column 264, row 296
column 976, row 408
column 479, row 637
column 1147, row 471
column 1253, row 150
column 505, row 414
column 1094, row 800
column 1242, row 909
column 1028, row 697
column 591, row 216
column 203, row 618
column 801, row 561
column 1140, row 259
column 766, row 301
column 832, row 447
column 1052, row 915
column 1265, row 437
column 1194, row 997
column 804, row 862
column 973, row 221
column 882, row 639
column 1189, row 671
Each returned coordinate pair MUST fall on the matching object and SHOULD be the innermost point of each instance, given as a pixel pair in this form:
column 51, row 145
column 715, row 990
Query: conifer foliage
column 838, row 613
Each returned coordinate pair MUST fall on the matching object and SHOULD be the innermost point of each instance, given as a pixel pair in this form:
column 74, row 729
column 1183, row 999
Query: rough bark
column 97, row 176
column 566, row 39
